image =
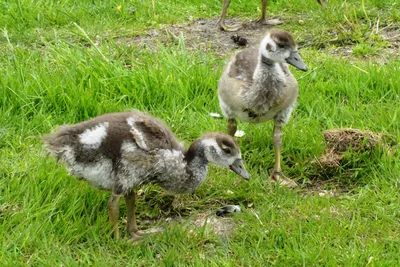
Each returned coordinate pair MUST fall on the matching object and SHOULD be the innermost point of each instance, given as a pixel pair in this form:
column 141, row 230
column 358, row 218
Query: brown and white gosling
column 121, row 151
column 257, row 86
column 262, row 20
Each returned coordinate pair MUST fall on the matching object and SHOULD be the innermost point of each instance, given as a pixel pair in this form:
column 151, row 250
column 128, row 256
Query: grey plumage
column 257, row 86
column 121, row 151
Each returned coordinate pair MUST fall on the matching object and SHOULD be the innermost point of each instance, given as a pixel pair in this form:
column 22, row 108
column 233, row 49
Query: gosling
column 257, row 86
column 121, row 151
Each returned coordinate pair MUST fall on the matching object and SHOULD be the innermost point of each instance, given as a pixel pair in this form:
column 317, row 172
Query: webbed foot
column 271, row 22
column 281, row 179
column 232, row 28
column 137, row 236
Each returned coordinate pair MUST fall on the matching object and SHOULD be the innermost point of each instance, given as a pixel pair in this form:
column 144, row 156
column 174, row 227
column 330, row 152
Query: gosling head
column 223, row 150
column 279, row 46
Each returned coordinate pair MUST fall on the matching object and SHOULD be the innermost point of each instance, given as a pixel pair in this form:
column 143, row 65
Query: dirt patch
column 391, row 35
column 384, row 43
column 169, row 210
column 210, row 223
column 204, row 222
column 203, row 34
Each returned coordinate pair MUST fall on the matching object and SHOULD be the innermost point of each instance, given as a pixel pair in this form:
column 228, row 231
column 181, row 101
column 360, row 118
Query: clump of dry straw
column 341, row 140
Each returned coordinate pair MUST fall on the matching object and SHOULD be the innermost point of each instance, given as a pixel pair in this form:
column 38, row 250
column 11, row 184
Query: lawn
column 65, row 61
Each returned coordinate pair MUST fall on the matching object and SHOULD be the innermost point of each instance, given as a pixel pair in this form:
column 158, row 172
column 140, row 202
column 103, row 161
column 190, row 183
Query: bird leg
column 263, row 20
column 323, row 3
column 113, row 213
column 232, row 126
column 221, row 21
column 277, row 175
column 131, row 225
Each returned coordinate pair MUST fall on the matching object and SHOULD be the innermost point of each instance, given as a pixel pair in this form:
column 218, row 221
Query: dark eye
column 281, row 45
column 227, row 150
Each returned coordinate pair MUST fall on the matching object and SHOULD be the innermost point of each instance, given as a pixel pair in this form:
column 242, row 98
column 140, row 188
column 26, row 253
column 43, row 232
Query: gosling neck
column 266, row 62
column 197, row 163
column 267, row 75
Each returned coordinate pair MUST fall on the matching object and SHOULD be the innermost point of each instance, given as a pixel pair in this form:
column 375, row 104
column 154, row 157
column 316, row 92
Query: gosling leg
column 277, row 174
column 232, row 126
column 131, row 225
column 113, row 213
column 221, row 21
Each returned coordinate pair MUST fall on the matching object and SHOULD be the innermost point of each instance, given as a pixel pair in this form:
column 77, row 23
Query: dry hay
column 347, row 139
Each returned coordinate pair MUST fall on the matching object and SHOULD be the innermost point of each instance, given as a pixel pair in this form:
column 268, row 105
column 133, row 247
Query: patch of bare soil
column 171, row 210
column 344, row 49
column 392, row 35
column 204, row 34
column 210, row 223
column 204, row 222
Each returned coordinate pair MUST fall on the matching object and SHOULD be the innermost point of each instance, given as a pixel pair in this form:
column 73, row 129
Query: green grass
column 51, row 73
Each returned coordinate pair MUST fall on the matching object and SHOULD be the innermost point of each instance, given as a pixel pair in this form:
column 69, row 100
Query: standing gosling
column 121, row 151
column 262, row 20
column 257, row 86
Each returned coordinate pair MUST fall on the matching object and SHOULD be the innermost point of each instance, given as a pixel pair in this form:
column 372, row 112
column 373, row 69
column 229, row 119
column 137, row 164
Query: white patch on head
column 221, row 158
column 92, row 138
column 139, row 138
column 275, row 54
column 211, row 142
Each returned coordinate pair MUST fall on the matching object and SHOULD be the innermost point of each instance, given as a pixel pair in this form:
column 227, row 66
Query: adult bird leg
column 113, row 213
column 221, row 21
column 322, row 3
column 263, row 19
column 277, row 175
column 232, row 126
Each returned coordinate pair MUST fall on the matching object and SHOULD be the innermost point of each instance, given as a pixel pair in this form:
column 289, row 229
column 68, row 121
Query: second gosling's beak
column 238, row 167
column 295, row 60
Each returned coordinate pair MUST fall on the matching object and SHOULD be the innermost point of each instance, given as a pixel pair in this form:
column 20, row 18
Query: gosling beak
column 295, row 60
column 239, row 168
column 322, row 3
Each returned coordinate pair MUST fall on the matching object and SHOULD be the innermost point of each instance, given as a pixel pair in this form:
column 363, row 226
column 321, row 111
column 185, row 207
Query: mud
column 205, row 35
